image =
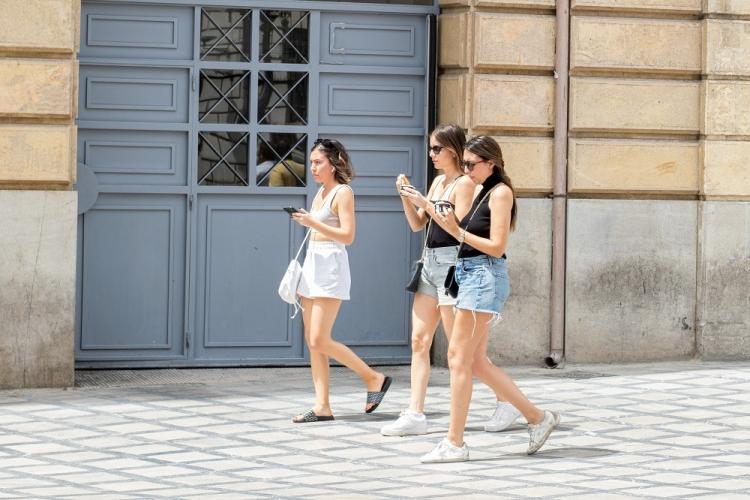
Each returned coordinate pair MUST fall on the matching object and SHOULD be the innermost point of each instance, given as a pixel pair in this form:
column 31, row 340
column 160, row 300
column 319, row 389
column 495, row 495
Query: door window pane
column 284, row 36
column 225, row 35
column 224, row 96
column 222, row 159
column 281, row 159
column 282, row 98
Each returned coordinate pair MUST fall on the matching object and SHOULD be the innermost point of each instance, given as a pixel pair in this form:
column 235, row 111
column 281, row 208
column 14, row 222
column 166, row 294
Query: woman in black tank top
column 483, row 289
column 431, row 303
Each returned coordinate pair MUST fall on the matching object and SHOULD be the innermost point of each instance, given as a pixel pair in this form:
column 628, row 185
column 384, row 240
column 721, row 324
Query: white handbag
column 291, row 279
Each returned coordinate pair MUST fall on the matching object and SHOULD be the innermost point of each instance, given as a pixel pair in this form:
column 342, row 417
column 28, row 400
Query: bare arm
column 501, row 202
column 417, row 217
column 462, row 196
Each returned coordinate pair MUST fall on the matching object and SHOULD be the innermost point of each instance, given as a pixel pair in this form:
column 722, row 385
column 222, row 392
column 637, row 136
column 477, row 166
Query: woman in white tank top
column 326, row 279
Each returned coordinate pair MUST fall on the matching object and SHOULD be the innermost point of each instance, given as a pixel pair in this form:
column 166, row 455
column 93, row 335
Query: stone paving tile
column 668, row 430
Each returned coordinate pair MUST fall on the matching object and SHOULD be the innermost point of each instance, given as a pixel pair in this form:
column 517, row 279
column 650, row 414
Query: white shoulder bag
column 290, row 281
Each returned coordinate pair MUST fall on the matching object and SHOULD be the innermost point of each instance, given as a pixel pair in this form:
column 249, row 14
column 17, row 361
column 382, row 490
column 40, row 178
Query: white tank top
column 324, row 214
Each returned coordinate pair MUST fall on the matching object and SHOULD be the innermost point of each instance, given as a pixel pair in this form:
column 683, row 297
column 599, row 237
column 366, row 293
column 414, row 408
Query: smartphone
column 291, row 210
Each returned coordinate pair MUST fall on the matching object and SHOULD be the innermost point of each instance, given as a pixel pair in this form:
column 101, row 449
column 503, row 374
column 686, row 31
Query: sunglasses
column 435, row 149
column 326, row 143
column 469, row 165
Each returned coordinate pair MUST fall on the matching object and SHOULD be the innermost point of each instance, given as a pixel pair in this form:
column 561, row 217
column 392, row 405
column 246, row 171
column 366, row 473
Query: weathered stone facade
column 658, row 238
column 38, row 207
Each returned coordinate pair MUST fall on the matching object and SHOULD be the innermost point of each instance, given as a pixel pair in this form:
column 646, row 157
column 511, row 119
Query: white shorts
column 325, row 272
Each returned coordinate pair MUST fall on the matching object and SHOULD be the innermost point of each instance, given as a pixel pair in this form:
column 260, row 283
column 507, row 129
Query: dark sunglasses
column 469, row 165
column 435, row 149
column 326, row 143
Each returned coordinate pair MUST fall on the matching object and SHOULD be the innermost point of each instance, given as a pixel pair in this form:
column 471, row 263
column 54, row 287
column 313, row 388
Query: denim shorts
column 483, row 284
column 436, row 264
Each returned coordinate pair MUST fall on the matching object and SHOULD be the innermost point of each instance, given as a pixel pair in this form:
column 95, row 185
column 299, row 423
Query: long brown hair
column 487, row 148
column 452, row 137
column 338, row 157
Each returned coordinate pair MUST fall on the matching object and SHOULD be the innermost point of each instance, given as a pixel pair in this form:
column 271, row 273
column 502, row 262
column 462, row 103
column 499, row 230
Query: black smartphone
column 291, row 210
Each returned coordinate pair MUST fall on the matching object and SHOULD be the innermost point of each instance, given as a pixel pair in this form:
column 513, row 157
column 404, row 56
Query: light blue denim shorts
column 436, row 264
column 483, row 284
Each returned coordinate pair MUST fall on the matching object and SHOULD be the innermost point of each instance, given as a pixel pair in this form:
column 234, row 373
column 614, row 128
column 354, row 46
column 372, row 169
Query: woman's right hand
column 401, row 181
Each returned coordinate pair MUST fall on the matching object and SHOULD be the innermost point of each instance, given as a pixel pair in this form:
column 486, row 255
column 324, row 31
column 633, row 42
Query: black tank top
column 480, row 222
column 436, row 235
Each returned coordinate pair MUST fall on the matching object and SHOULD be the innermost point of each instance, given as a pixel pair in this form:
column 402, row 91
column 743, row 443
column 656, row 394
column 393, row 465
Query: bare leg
column 323, row 313
column 468, row 331
column 424, row 319
column 319, row 365
column 502, row 384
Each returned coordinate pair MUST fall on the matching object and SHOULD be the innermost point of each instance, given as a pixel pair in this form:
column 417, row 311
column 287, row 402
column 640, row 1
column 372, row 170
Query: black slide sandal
column 311, row 416
column 376, row 397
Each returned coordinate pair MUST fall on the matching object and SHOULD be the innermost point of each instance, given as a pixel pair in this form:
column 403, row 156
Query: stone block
column 730, row 7
column 726, row 108
column 727, row 47
column 608, row 166
column 452, row 99
column 634, row 106
column 517, row 4
column 513, row 102
column 453, row 40
column 630, row 290
column 37, row 288
column 640, row 6
column 37, row 154
column 514, row 41
column 528, row 161
column 522, row 337
column 36, row 88
column 39, row 26
column 635, row 45
column 453, row 3
column 724, row 301
column 726, row 168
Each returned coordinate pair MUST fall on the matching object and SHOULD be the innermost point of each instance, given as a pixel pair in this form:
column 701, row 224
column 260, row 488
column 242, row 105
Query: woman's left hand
column 303, row 218
column 414, row 196
column 447, row 220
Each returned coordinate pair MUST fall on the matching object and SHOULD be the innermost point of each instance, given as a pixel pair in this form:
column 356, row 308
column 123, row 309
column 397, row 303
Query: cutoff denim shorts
column 483, row 284
column 435, row 268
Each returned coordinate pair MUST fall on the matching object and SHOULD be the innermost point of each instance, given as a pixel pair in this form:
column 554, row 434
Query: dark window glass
column 281, row 159
column 224, row 96
column 282, row 98
column 222, row 159
column 284, row 36
column 225, row 35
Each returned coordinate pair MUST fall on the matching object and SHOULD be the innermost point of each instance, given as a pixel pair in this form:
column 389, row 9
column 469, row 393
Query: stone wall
column 38, row 101
column 658, row 227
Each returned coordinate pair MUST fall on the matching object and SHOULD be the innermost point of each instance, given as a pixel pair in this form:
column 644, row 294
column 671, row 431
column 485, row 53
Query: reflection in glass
column 222, row 159
column 224, row 96
column 284, row 36
column 225, row 35
column 281, row 159
column 282, row 98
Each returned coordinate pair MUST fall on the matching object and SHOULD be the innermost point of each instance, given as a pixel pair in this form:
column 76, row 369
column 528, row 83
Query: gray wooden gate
column 195, row 122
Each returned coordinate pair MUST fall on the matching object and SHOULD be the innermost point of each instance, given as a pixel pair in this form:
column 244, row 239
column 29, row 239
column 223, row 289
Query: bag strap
column 296, row 257
column 463, row 233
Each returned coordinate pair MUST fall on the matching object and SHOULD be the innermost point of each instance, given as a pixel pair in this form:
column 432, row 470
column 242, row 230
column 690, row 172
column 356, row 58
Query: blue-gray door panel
column 356, row 100
column 372, row 39
column 375, row 322
column 135, row 157
column 122, row 32
column 244, row 246
column 133, row 286
column 126, row 94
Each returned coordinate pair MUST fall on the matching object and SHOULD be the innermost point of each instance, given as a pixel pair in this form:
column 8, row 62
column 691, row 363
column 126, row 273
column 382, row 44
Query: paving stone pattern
column 667, row 430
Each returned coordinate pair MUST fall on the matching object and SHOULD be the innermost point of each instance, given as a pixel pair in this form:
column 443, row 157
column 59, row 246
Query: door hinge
column 190, row 202
column 187, row 340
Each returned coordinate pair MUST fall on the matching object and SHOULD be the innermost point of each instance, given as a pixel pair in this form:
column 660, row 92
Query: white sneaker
column 539, row 433
column 504, row 416
column 446, row 452
column 409, row 423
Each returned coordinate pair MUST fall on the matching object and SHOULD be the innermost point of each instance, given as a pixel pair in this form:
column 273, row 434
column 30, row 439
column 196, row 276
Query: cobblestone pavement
column 668, row 430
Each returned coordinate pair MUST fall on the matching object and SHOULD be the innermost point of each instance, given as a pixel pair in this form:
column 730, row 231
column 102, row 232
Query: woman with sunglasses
column 326, row 280
column 431, row 304
column 482, row 276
